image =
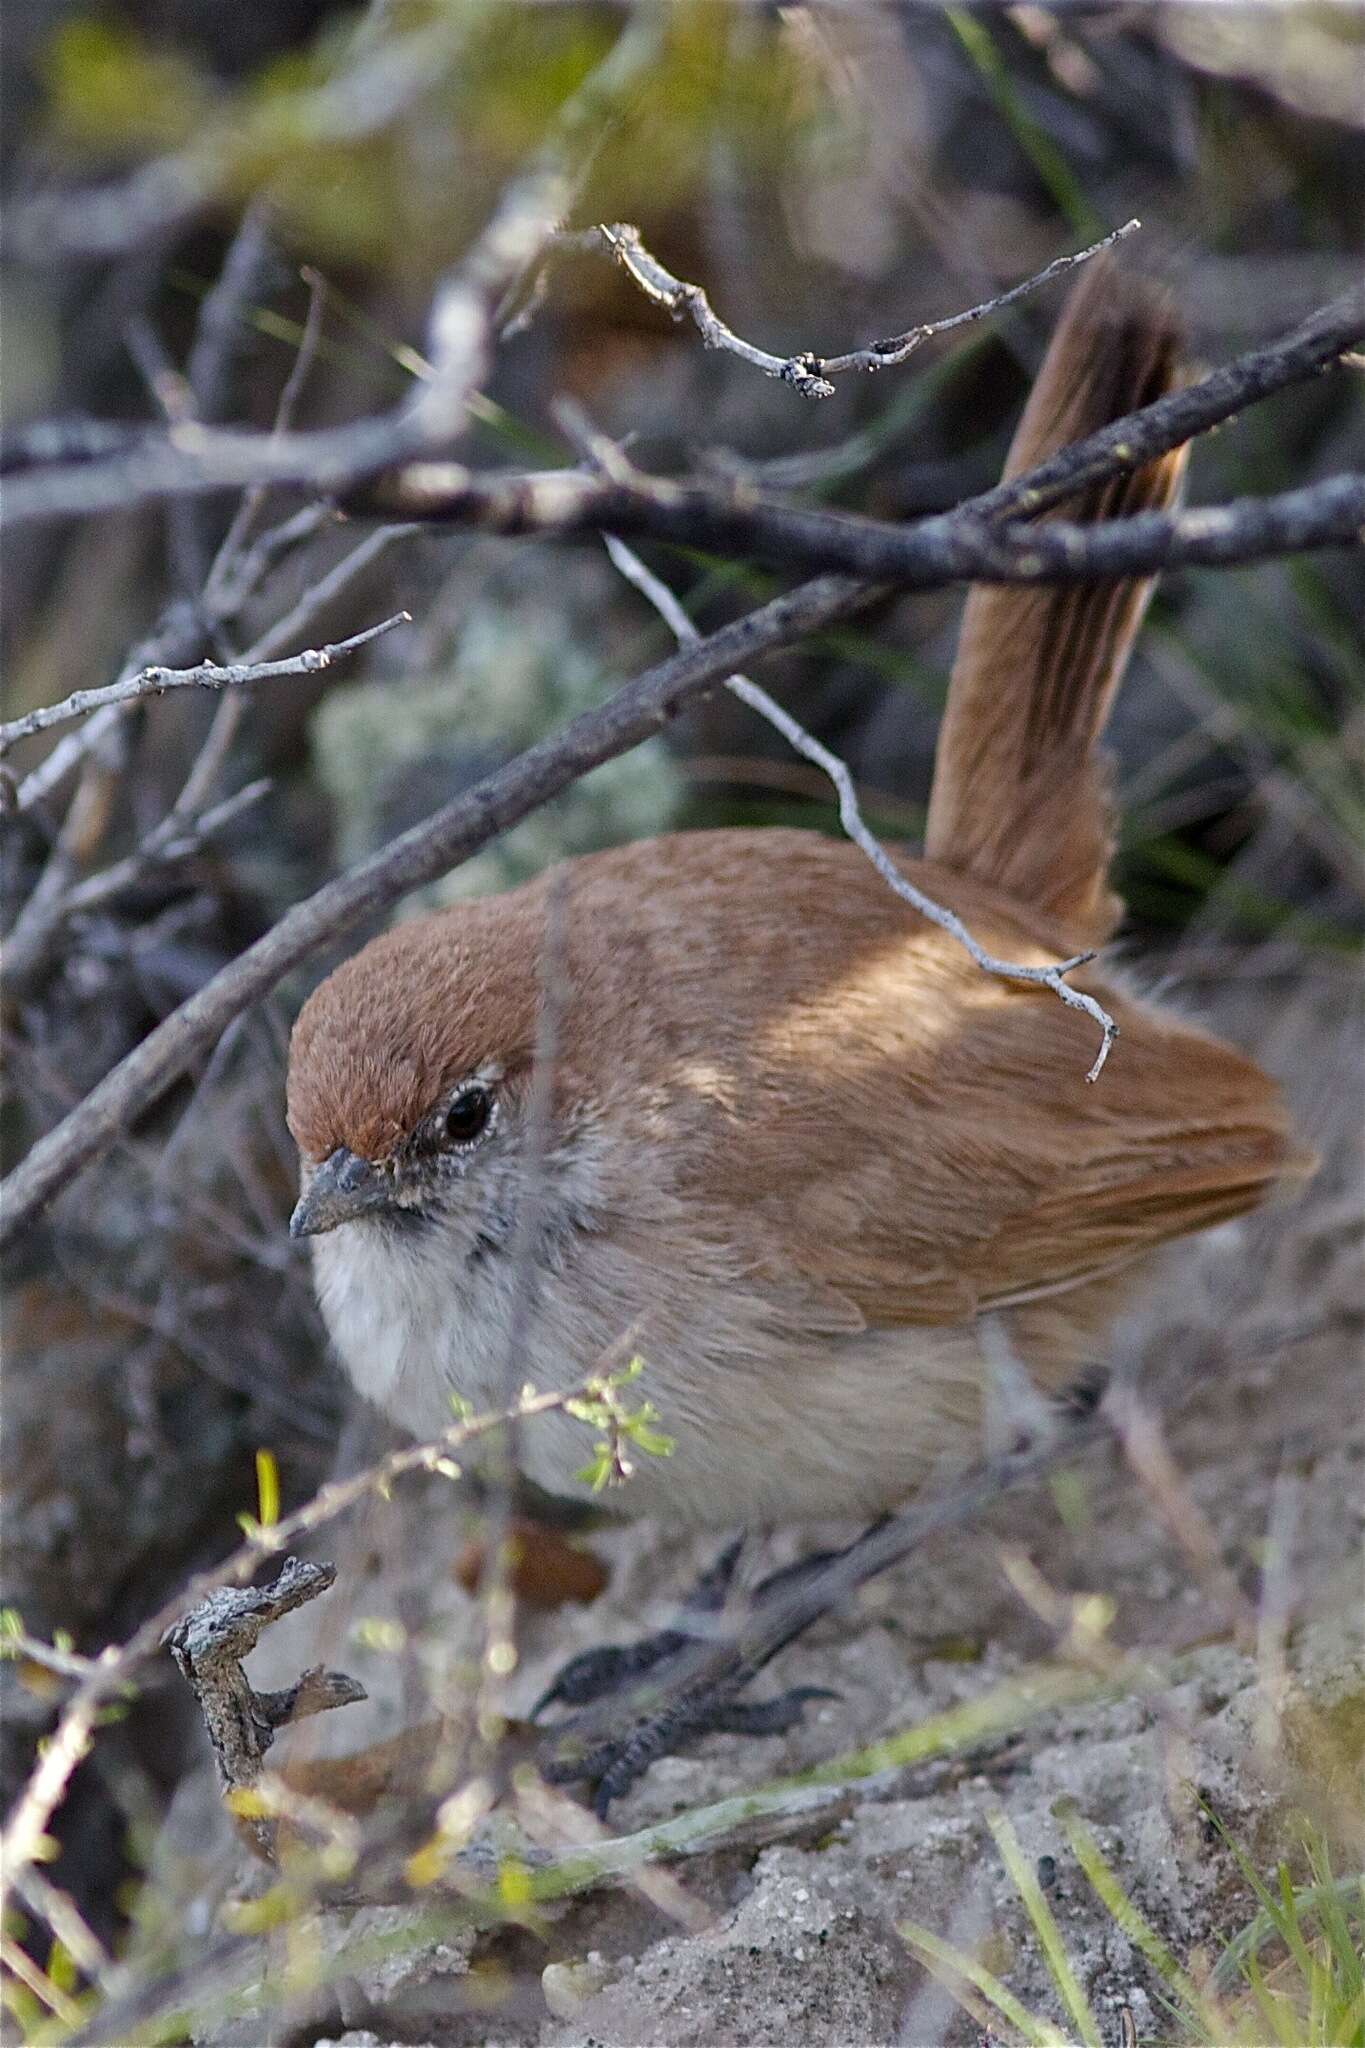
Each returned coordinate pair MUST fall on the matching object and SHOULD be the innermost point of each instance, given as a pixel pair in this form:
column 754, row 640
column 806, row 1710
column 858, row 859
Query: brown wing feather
column 895, row 1130
column 1020, row 796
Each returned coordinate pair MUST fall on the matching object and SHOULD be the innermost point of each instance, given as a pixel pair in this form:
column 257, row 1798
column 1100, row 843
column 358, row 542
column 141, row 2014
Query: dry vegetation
column 273, row 274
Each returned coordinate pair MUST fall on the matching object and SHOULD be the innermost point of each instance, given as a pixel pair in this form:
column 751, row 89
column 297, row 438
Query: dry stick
column 851, row 817
column 187, row 821
column 20, row 1964
column 209, row 1646
column 807, row 372
column 24, row 1834
column 156, row 852
column 314, row 600
column 232, row 547
column 188, row 628
column 524, row 218
column 206, row 675
column 365, row 93
column 192, row 459
column 65, row 1919
column 218, row 326
column 1142, row 1440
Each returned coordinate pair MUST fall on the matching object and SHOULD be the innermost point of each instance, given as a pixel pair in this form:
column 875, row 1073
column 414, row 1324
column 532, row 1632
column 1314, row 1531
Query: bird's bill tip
column 341, row 1189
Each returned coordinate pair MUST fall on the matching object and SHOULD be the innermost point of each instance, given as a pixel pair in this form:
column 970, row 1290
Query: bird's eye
column 467, row 1116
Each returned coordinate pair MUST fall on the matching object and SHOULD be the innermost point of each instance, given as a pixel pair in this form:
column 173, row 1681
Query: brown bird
column 853, row 1196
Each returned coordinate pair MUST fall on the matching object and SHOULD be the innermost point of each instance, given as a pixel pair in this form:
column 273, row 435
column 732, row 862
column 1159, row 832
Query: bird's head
column 410, row 1071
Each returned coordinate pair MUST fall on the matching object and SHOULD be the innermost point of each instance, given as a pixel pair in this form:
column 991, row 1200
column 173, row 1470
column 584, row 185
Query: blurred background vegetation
column 830, row 174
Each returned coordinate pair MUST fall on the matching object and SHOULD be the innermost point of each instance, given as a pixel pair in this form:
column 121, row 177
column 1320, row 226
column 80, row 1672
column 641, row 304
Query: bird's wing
column 967, row 1164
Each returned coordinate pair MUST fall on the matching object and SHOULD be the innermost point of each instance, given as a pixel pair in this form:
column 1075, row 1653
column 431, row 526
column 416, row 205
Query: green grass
column 1293, row 1974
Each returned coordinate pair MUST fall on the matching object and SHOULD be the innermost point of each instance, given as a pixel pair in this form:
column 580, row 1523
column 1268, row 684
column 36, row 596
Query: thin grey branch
column 853, row 822
column 175, row 840
column 205, row 675
column 451, row 835
column 232, row 547
column 807, row 372
column 187, row 824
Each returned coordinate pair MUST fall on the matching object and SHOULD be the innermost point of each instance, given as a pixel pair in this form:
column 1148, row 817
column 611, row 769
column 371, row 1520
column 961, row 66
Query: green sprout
column 624, row 1429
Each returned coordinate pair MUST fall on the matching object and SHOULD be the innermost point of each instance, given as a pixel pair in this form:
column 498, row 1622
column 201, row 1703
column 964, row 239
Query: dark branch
column 954, row 547
column 959, row 546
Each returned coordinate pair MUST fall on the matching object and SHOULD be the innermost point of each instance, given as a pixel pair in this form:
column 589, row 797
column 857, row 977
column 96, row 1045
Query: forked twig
column 807, row 372
column 209, row 1645
column 22, row 1844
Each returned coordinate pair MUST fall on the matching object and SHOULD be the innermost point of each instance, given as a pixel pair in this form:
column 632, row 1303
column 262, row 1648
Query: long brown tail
column 1021, row 796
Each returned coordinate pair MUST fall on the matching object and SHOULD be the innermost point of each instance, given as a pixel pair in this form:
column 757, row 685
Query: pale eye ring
column 469, row 1114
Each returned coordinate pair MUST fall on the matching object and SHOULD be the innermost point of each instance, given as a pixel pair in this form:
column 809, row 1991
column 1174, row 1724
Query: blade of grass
column 1025, row 1880
column 1125, row 1915
column 951, row 1967
column 1042, row 152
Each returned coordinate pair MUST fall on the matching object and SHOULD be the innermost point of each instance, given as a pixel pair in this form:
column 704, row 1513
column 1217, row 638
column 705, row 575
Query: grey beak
column 342, row 1188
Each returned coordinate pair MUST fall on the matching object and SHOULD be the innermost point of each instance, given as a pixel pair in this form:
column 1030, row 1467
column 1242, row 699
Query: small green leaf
column 268, row 1488
column 599, row 1473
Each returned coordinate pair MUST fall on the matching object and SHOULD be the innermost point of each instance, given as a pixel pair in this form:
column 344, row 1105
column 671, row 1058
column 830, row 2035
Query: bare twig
column 220, row 317
column 965, row 538
column 1125, row 444
column 375, row 81
column 1143, row 1443
column 29, row 1649
column 851, row 817
column 311, row 605
column 25, row 1830
column 807, row 372
column 173, row 842
column 20, row 1964
column 459, row 326
column 233, row 544
column 812, row 1801
column 209, row 1645
column 66, row 1921
column 205, row 675
column 186, row 824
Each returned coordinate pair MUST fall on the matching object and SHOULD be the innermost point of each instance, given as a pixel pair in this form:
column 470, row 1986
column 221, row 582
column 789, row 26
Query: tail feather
column 1020, row 796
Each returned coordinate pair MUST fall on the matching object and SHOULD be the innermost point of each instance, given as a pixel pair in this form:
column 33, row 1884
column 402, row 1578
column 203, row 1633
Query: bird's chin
column 406, row 1221
column 400, row 1220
